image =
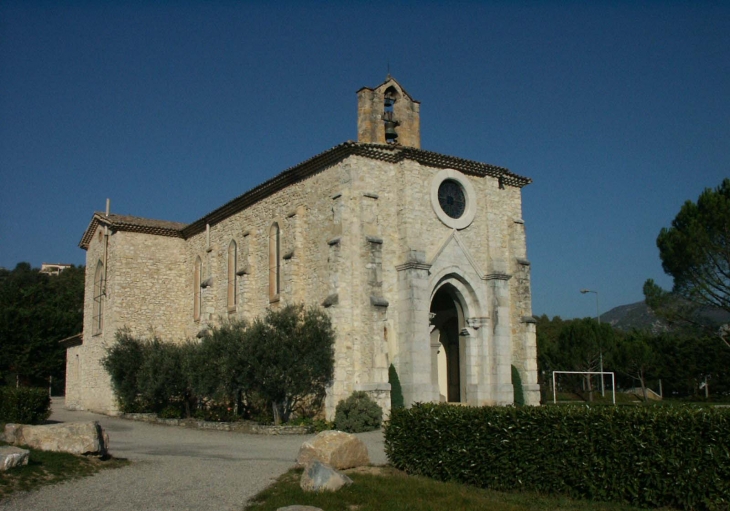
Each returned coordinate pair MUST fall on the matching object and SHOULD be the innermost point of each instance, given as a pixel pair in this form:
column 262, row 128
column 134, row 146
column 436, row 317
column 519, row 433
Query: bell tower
column 388, row 115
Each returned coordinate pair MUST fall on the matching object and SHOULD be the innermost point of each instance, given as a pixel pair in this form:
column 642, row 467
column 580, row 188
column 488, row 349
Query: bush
column 218, row 372
column 646, row 456
column 24, row 405
column 268, row 369
column 358, row 413
column 290, row 359
column 519, row 394
column 122, row 362
column 162, row 379
column 149, row 375
column 396, row 391
column 170, row 412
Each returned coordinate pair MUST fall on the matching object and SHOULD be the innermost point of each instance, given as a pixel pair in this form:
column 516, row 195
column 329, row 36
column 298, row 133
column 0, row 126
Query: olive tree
column 290, row 358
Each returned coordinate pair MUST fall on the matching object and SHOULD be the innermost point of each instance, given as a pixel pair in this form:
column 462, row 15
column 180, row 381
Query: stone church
column 419, row 258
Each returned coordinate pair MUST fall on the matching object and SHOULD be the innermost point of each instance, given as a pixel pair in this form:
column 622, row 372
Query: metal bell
column 390, row 133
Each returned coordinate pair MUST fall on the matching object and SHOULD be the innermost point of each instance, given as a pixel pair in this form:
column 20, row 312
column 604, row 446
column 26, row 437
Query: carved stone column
column 414, row 336
column 501, row 349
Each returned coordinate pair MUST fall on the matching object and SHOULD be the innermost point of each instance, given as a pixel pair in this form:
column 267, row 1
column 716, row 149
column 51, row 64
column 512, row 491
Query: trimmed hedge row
column 24, row 405
column 648, row 456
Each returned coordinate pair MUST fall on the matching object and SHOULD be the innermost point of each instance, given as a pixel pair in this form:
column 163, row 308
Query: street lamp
column 600, row 343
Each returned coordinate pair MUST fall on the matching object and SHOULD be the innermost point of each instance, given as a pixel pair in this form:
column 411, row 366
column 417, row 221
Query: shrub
column 519, row 395
column 170, row 412
column 289, row 358
column 161, row 378
column 647, row 456
column 358, row 413
column 270, row 368
column 220, row 364
column 396, row 391
column 24, row 405
column 123, row 361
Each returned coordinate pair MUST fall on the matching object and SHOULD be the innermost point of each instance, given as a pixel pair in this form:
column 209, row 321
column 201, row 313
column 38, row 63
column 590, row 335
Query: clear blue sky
column 619, row 112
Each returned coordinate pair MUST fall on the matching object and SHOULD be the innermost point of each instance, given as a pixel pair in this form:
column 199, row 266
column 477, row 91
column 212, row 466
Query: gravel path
column 174, row 468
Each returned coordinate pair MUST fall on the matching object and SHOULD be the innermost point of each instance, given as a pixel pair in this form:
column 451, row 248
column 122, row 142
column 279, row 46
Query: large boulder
column 298, row 507
column 12, row 457
column 335, row 448
column 321, row 477
column 72, row 437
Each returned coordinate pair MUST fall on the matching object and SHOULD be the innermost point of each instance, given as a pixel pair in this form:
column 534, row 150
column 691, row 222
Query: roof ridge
column 392, row 153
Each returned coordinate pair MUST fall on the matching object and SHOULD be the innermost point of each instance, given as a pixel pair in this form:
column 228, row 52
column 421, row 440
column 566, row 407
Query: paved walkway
column 174, row 468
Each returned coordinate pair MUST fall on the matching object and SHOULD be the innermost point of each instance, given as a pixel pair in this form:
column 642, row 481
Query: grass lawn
column 387, row 489
column 50, row 468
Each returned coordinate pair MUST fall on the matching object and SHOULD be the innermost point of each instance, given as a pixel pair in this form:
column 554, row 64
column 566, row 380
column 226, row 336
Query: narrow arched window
column 232, row 275
column 198, row 271
column 274, row 261
column 99, row 291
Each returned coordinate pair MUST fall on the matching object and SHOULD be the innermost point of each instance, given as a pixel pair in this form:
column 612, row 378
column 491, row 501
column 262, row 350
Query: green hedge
column 24, row 405
column 647, row 456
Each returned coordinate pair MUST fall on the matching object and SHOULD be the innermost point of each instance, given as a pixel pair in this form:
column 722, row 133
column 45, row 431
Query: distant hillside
column 637, row 315
column 634, row 315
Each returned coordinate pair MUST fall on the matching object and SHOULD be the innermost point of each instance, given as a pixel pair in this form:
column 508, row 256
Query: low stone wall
column 247, row 427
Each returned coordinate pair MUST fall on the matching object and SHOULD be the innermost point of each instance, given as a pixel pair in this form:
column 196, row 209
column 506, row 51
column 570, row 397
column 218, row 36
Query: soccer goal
column 605, row 373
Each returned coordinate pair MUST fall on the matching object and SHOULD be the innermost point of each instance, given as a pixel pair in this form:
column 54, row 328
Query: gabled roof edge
column 130, row 224
column 384, row 152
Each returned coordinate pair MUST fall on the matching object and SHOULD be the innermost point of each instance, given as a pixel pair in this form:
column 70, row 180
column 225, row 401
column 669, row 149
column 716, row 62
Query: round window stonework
column 453, row 198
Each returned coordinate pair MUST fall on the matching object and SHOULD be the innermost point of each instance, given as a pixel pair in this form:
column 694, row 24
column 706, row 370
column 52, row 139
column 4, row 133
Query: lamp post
column 600, row 343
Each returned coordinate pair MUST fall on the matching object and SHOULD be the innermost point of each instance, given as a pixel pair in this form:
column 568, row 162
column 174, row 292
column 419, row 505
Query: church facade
column 419, row 258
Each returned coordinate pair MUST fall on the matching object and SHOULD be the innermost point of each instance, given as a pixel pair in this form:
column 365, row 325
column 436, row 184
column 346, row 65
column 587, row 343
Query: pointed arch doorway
column 447, row 345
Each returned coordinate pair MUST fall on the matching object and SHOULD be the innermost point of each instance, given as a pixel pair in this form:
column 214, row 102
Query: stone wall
column 344, row 232
column 145, row 292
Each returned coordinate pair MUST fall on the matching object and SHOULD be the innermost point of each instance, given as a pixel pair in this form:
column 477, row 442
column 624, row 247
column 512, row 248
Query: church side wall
column 144, row 292
column 315, row 263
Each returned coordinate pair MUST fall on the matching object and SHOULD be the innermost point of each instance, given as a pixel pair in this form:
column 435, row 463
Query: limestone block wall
column 148, row 292
column 315, row 262
column 87, row 383
column 344, row 233
column 144, row 292
column 404, row 219
column 370, row 122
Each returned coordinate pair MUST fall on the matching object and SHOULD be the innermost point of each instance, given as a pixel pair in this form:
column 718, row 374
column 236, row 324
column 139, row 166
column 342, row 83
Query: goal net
column 581, row 379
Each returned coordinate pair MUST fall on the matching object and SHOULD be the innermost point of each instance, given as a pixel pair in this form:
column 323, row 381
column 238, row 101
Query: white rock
column 13, row 457
column 321, row 477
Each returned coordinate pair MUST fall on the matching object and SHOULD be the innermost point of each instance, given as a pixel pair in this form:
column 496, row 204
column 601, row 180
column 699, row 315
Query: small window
column 274, row 261
column 232, row 275
column 99, row 292
column 197, row 292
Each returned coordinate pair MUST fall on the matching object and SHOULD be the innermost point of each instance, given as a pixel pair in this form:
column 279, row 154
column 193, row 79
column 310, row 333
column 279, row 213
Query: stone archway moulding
column 465, row 292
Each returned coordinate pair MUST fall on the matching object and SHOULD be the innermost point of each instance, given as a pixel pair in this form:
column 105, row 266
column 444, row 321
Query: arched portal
column 447, row 345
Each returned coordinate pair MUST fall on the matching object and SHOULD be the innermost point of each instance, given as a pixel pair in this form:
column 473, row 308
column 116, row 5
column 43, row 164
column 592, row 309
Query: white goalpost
column 613, row 382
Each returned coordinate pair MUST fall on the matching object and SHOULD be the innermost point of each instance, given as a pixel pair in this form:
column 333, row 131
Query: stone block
column 71, row 437
column 11, row 457
column 336, row 448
